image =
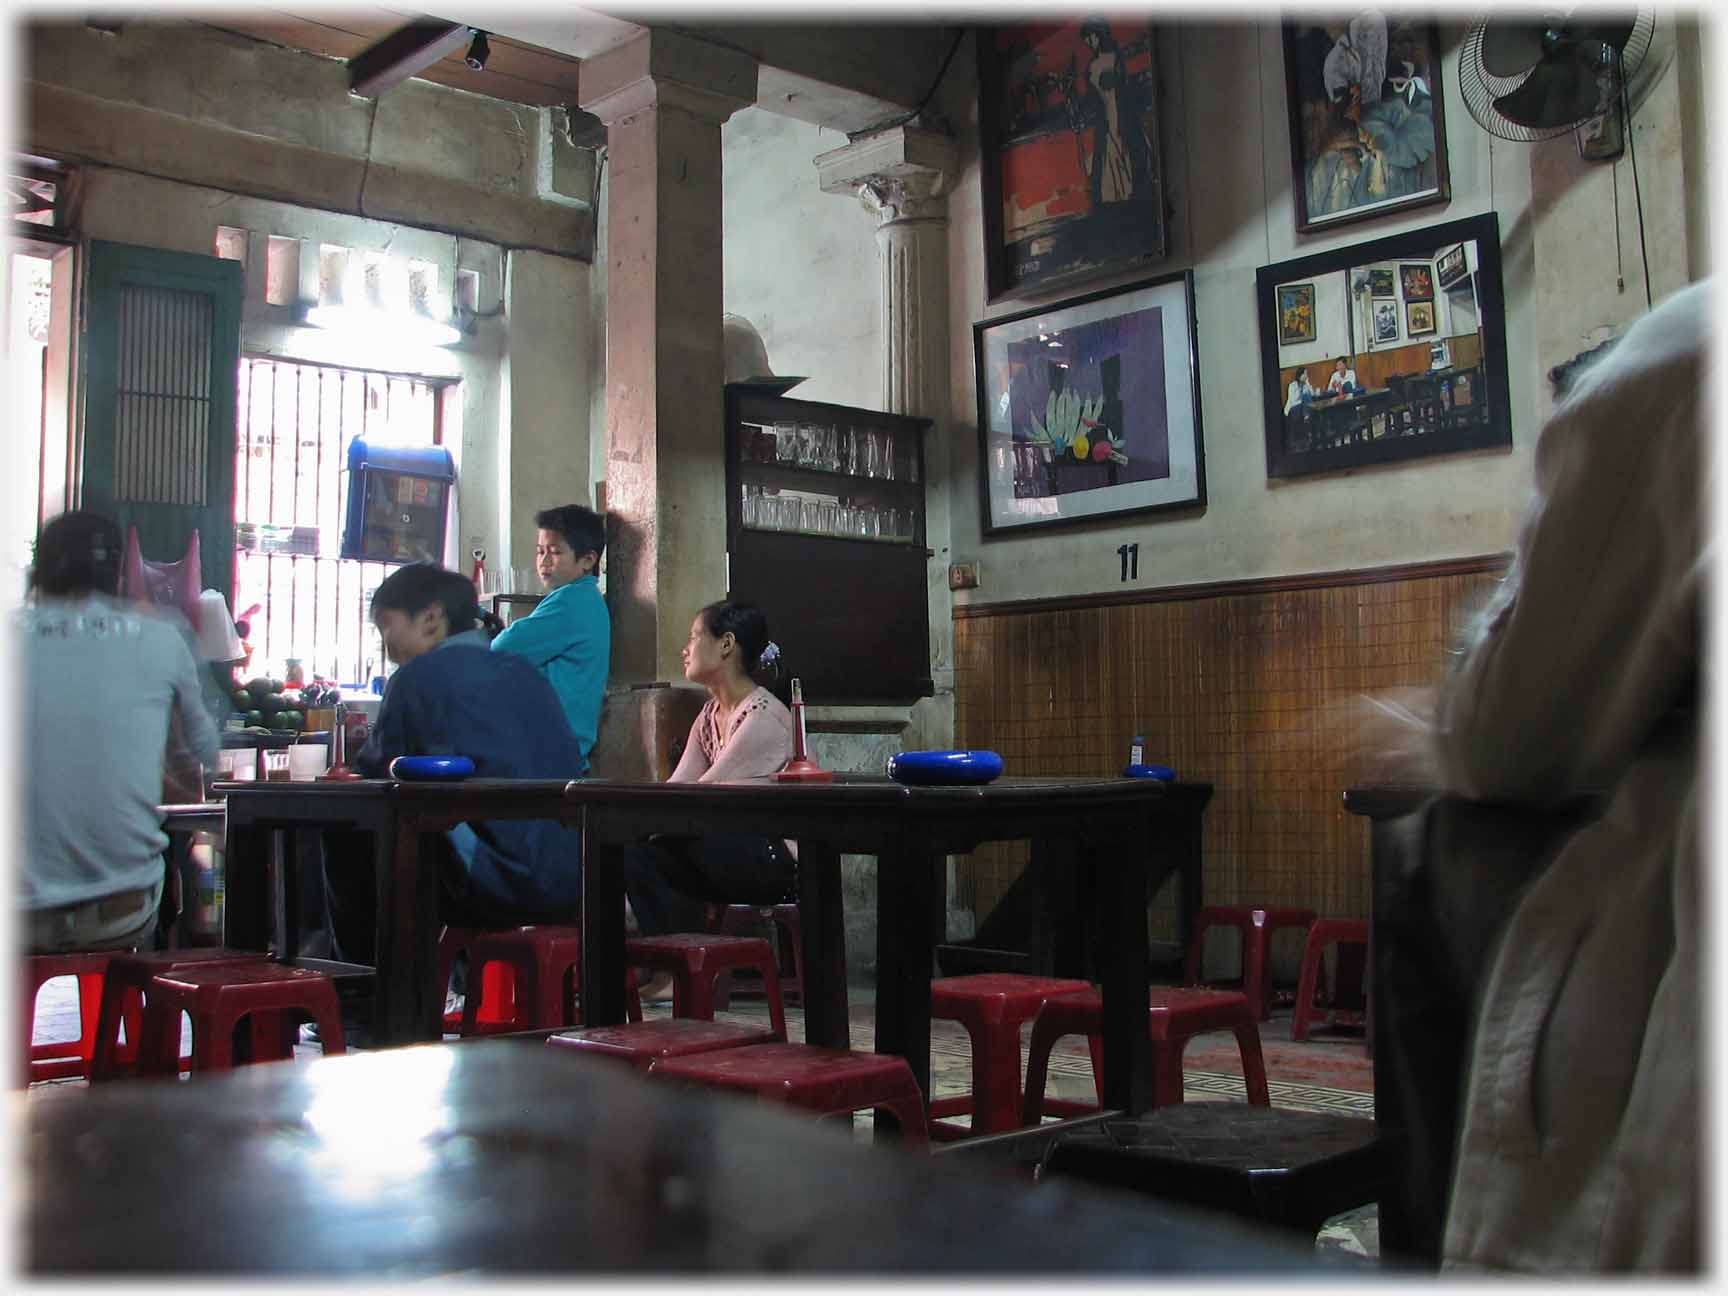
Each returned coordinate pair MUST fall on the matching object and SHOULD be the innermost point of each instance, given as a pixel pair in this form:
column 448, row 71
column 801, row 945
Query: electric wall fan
column 1532, row 77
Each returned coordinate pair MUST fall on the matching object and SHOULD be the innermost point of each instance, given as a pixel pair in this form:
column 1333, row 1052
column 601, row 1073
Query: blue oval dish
column 1163, row 773
column 944, row 767
column 431, row 767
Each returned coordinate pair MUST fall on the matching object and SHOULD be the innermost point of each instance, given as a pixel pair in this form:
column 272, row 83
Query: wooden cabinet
column 825, row 533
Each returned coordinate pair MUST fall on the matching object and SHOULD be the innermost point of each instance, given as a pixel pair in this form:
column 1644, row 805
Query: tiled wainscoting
column 1251, row 686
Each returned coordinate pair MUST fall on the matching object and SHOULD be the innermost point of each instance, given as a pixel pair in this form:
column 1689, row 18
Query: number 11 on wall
column 1130, row 556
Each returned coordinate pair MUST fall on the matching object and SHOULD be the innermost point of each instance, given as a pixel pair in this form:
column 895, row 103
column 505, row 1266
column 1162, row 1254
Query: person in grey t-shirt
column 101, row 681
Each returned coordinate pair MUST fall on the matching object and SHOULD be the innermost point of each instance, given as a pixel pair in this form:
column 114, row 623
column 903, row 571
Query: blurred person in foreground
column 1580, row 1120
column 105, row 684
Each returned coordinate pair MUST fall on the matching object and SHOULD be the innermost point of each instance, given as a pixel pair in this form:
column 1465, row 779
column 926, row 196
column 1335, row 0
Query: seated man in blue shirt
column 453, row 696
column 107, row 690
column 568, row 636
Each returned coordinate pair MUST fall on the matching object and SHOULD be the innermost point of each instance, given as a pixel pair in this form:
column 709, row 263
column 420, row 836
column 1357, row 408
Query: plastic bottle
column 1137, row 750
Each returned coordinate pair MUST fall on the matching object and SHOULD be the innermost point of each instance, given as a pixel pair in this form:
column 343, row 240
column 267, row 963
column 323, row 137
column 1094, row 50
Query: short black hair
column 583, row 529
column 78, row 552
column 417, row 586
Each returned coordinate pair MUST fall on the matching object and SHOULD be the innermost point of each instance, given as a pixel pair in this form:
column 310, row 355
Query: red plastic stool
column 1173, row 1017
column 217, row 998
column 62, row 1058
column 695, row 960
column 643, row 1043
column 544, row 966
column 823, row 1081
column 1324, row 932
column 1256, row 923
column 737, row 918
column 127, row 989
column 991, row 1006
column 534, row 954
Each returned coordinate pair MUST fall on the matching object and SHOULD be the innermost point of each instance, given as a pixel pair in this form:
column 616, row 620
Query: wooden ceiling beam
column 405, row 52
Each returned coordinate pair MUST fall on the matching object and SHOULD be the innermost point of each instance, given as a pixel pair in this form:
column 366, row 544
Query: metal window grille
column 295, row 424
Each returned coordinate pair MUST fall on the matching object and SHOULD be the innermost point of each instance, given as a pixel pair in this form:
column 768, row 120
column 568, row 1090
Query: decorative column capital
column 899, row 174
column 662, row 68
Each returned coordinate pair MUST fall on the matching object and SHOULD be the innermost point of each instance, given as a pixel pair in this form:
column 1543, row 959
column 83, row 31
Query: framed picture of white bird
column 1367, row 123
column 1090, row 409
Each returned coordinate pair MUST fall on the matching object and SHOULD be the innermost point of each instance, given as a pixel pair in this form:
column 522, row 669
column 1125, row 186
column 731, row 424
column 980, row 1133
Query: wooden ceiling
column 518, row 73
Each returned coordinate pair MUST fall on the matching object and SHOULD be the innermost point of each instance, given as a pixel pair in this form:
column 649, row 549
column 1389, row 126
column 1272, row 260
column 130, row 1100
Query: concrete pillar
column 663, row 97
column 902, row 176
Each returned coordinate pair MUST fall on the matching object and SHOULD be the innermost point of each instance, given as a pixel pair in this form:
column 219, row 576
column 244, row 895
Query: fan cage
column 1480, row 87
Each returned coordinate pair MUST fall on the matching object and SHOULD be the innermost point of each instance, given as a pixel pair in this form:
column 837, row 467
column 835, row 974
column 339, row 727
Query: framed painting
column 1451, row 267
column 1382, row 282
column 1386, row 321
column 1419, row 378
column 1417, row 282
column 1367, row 128
column 1418, row 318
column 1073, row 173
column 1295, row 313
column 1090, row 409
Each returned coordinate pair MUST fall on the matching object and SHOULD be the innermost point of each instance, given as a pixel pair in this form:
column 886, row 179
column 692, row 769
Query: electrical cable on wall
column 959, row 35
column 1637, row 191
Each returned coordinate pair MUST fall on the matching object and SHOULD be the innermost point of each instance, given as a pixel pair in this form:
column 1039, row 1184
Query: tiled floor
column 1328, row 1073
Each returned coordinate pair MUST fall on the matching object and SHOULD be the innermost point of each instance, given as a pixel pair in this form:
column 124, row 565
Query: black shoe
column 354, row 1035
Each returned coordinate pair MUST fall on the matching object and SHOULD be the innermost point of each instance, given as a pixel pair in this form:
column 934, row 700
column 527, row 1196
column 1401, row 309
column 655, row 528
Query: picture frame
column 1382, row 282
column 1416, row 282
column 1451, row 267
column 1342, row 96
column 1386, row 321
column 1064, row 198
column 1295, row 313
column 1090, row 409
column 1430, row 376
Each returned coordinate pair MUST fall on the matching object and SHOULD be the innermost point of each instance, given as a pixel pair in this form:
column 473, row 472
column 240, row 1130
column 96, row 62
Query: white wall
column 1226, row 151
column 801, row 265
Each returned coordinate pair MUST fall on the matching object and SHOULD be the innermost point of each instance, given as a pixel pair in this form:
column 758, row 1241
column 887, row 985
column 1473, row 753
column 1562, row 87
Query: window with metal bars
column 300, row 600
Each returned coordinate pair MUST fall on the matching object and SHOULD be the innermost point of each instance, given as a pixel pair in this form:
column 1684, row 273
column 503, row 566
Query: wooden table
column 404, row 821
column 506, row 1157
column 1103, row 827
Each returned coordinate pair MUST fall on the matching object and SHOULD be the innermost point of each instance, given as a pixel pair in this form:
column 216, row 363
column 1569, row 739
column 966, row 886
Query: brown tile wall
column 1249, row 687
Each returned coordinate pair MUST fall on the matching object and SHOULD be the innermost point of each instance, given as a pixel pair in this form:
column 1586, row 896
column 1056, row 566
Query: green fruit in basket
column 291, row 720
column 276, row 702
column 254, row 719
column 242, row 700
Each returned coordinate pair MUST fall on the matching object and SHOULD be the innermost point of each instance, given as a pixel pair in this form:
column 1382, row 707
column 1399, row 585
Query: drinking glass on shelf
column 806, row 452
column 810, row 519
column 827, row 448
column 869, row 522
column 825, row 522
column 851, row 454
column 786, row 442
column 752, row 505
column 884, row 454
column 845, row 520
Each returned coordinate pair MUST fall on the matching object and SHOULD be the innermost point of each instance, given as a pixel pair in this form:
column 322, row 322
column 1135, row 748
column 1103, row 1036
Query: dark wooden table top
column 507, row 1156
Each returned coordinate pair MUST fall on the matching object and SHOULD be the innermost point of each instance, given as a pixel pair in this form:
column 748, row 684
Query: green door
column 161, row 364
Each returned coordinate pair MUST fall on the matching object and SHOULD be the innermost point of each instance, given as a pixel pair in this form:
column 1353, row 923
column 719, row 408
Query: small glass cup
column 276, row 769
column 786, row 442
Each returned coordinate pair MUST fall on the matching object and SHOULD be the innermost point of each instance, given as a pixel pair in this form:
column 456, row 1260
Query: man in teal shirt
column 568, row 636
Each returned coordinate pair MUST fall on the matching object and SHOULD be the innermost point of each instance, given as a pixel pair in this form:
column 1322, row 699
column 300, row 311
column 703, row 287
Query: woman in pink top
column 742, row 732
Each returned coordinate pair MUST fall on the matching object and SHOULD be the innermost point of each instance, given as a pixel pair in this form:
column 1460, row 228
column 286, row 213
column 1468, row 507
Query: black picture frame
column 1416, row 282
column 1451, row 267
column 1118, row 367
column 1442, row 395
column 1039, row 108
column 1404, row 115
column 1382, row 282
column 1419, row 319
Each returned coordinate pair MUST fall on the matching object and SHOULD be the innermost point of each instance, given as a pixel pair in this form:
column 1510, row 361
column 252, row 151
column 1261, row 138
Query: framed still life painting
column 1295, row 313
column 1418, row 318
column 1090, row 408
column 1367, row 130
column 1073, row 174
